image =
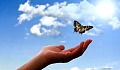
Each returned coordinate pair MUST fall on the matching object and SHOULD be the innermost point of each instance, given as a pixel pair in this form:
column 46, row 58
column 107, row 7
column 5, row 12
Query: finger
column 72, row 49
column 87, row 42
column 61, row 47
column 76, row 52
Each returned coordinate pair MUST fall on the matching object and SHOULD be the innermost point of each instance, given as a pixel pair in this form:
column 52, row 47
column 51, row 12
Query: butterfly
column 80, row 28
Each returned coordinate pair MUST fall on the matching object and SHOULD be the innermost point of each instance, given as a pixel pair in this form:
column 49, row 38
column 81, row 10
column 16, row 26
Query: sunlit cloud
column 105, row 9
column 115, row 23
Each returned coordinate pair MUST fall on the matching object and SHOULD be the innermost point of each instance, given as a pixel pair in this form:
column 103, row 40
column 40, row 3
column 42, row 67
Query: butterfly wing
column 76, row 23
column 77, row 26
column 88, row 27
column 85, row 28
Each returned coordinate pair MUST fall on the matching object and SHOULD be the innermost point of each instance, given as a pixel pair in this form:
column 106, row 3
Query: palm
column 58, row 54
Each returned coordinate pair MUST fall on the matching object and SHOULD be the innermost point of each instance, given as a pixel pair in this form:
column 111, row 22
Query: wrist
column 36, row 63
column 41, row 60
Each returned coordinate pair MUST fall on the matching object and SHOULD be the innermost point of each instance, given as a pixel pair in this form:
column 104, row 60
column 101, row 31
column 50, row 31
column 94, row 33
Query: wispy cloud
column 62, row 41
column 94, row 68
column 25, row 37
column 103, row 68
column 95, row 31
column 27, row 34
column 115, row 23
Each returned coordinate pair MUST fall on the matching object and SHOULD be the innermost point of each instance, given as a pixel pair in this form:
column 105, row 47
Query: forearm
column 36, row 63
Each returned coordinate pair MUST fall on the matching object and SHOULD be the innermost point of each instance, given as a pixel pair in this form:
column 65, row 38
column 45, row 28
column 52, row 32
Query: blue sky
column 27, row 26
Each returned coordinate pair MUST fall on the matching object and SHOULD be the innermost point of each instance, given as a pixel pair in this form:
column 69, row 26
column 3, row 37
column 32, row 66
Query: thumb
column 61, row 47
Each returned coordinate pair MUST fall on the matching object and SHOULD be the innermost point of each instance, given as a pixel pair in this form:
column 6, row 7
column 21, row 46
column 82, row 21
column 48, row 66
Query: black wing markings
column 82, row 28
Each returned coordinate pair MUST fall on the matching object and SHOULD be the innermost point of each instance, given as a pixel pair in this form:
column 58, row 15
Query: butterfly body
column 80, row 28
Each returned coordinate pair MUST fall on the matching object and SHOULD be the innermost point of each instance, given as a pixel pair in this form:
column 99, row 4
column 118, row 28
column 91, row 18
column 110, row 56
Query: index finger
column 87, row 42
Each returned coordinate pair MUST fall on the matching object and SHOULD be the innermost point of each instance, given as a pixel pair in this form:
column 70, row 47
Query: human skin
column 55, row 54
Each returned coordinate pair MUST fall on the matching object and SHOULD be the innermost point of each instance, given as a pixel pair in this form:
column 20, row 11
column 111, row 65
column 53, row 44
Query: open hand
column 55, row 54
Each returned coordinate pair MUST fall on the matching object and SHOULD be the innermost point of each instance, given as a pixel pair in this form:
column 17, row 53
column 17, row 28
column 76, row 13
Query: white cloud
column 51, row 14
column 80, row 11
column 30, row 11
column 50, row 21
column 90, row 34
column 94, row 68
column 107, row 68
column 27, row 34
column 62, row 41
column 26, row 8
column 102, row 68
column 50, row 32
column 91, row 68
column 74, row 68
column 36, row 30
column 115, row 23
